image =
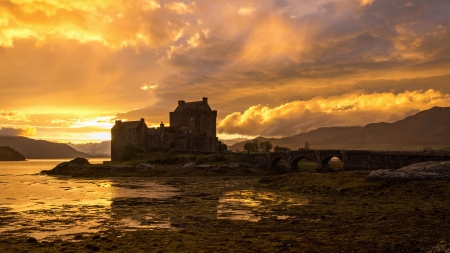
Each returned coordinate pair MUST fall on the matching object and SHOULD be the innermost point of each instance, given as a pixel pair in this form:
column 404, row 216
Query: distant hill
column 39, row 149
column 10, row 154
column 102, row 149
column 429, row 128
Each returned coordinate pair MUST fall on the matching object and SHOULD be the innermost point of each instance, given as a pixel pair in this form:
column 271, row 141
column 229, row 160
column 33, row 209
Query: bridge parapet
column 351, row 159
column 373, row 160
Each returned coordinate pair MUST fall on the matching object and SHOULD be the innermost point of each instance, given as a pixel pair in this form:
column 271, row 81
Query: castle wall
column 162, row 137
column 192, row 128
column 120, row 136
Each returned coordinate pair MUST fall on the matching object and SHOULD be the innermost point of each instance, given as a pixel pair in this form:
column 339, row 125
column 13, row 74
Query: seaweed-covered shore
column 295, row 212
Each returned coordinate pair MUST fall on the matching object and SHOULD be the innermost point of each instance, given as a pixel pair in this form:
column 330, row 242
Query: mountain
column 39, row 149
column 9, row 154
column 429, row 128
column 102, row 149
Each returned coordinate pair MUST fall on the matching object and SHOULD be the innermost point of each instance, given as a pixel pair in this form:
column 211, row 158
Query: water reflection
column 42, row 206
column 253, row 206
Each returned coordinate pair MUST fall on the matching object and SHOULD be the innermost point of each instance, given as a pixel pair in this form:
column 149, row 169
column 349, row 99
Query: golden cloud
column 347, row 109
column 365, row 2
column 245, row 11
column 14, row 116
column 113, row 23
column 181, row 8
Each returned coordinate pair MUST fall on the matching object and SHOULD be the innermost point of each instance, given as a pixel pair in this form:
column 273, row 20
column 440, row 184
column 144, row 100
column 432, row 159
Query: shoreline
column 342, row 213
column 293, row 212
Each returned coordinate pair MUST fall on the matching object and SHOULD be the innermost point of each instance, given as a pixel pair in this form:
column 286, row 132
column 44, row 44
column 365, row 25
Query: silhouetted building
column 192, row 127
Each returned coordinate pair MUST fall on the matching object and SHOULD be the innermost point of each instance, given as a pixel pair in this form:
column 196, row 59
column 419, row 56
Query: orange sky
column 68, row 69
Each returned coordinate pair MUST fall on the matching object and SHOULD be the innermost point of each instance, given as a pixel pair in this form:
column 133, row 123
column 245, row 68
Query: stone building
column 192, row 127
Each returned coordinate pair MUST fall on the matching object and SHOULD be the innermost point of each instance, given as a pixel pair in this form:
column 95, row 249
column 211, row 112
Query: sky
column 270, row 68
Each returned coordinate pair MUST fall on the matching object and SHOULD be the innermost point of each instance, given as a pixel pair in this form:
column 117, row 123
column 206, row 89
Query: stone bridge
column 351, row 159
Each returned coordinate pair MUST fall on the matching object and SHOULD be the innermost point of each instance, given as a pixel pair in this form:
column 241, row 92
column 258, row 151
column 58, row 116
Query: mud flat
column 226, row 211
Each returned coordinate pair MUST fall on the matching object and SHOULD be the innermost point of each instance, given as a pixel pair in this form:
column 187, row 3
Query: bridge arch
column 325, row 162
column 275, row 160
column 303, row 164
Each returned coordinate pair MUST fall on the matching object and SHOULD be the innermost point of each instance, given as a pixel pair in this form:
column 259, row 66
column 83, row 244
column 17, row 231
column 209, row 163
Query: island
column 10, row 154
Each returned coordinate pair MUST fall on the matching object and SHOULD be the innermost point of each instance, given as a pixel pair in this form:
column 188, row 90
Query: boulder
column 75, row 163
column 189, row 165
column 145, row 166
column 426, row 171
column 31, row 240
column 203, row 166
column 236, row 165
column 441, row 247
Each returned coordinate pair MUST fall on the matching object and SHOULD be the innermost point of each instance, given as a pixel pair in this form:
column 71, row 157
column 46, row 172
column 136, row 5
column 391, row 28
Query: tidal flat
column 247, row 210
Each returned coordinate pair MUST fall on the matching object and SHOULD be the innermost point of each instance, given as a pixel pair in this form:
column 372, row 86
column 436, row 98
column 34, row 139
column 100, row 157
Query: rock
column 203, row 166
column 245, row 165
column 78, row 237
column 31, row 240
column 442, row 247
column 92, row 247
column 189, row 165
column 145, row 166
column 80, row 160
column 119, row 167
column 236, row 165
column 75, row 163
column 426, row 171
column 243, row 171
column 267, row 180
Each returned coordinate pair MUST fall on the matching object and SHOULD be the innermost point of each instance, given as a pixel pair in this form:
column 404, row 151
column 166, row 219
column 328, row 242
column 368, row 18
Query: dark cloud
column 10, row 131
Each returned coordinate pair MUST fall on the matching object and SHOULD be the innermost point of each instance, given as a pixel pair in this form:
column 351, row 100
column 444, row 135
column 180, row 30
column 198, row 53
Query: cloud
column 148, row 86
column 113, row 23
column 344, row 110
column 181, row 8
column 245, row 11
column 365, row 2
column 338, row 44
column 14, row 116
column 11, row 131
column 88, row 58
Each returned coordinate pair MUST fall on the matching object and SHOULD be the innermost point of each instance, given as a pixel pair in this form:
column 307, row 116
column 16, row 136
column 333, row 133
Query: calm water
column 41, row 206
column 49, row 207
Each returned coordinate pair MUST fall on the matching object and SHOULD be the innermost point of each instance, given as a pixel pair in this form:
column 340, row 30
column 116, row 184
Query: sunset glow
column 271, row 68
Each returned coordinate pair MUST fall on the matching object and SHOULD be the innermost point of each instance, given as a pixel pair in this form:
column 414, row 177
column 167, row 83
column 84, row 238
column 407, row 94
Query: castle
column 192, row 127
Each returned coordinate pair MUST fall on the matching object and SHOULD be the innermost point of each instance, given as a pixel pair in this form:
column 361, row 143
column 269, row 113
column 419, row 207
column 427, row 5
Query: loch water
column 48, row 208
column 41, row 206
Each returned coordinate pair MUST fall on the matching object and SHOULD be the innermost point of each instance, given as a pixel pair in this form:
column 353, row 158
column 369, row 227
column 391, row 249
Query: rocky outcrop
column 426, row 171
column 75, row 163
column 442, row 247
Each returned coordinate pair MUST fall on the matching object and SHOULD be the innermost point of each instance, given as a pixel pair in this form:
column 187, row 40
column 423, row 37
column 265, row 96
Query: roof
column 127, row 125
column 196, row 105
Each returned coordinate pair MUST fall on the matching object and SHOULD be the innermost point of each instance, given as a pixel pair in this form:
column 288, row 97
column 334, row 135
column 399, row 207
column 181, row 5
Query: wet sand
column 299, row 212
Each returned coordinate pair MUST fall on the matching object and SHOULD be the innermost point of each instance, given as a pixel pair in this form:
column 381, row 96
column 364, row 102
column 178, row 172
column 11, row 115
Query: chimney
column 205, row 100
column 162, row 124
column 180, row 102
column 142, row 119
column 118, row 121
